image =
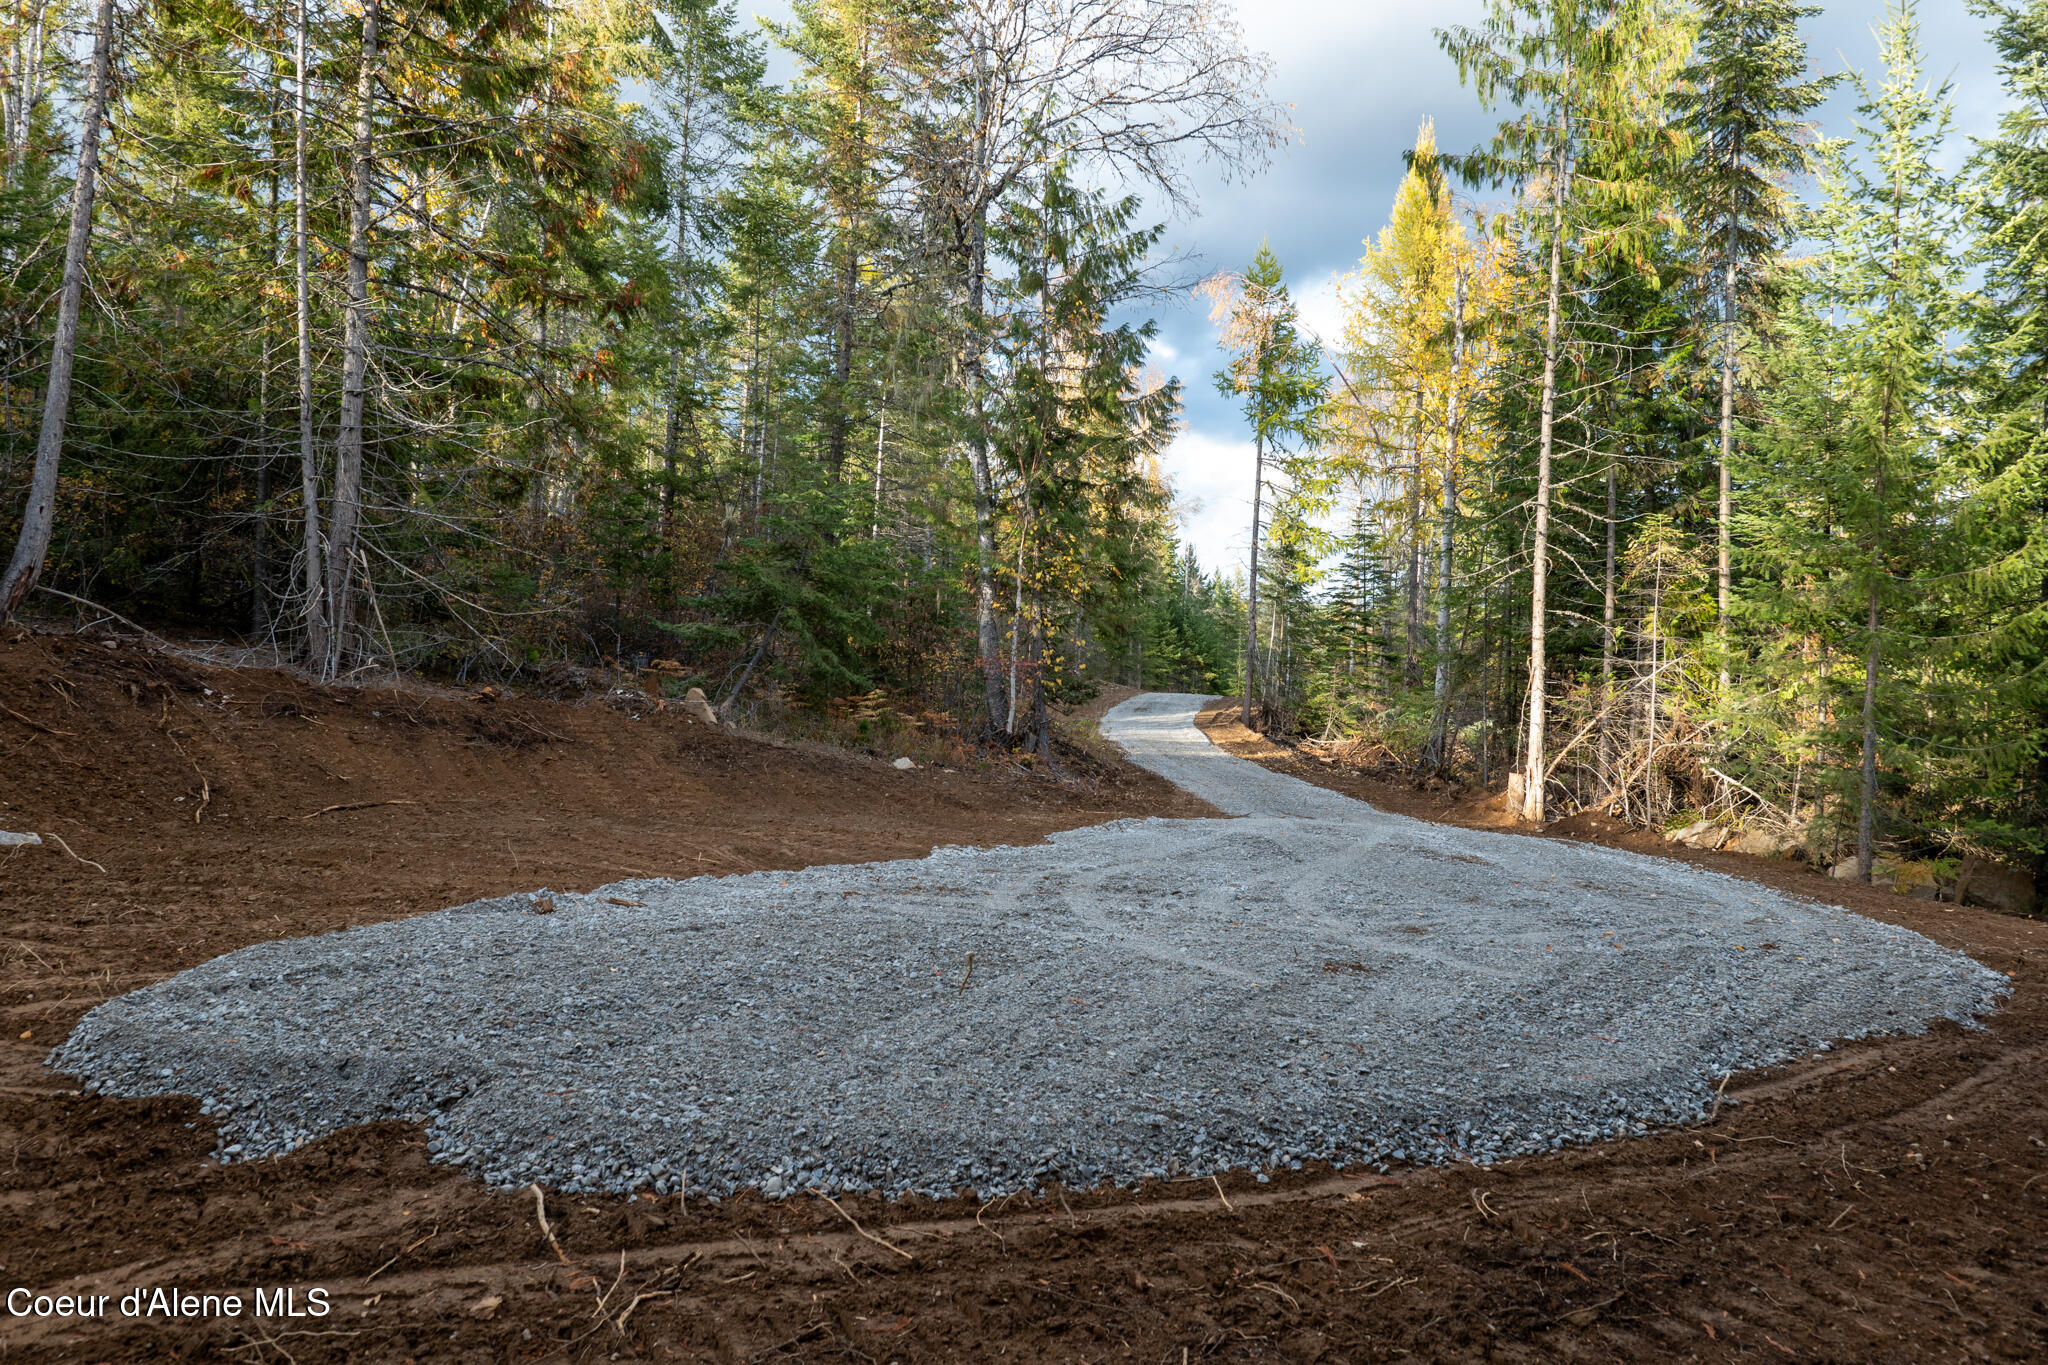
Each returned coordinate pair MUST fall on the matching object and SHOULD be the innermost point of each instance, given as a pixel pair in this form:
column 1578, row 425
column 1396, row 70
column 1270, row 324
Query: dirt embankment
column 1884, row 1202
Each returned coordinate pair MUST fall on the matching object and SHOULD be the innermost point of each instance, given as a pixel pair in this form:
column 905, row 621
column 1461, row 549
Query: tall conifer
column 1743, row 103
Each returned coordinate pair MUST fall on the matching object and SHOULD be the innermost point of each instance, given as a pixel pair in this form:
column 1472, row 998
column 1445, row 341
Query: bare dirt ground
column 1884, row 1202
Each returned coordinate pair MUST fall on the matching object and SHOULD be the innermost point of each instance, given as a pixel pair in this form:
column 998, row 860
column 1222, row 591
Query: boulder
column 694, row 704
column 2000, row 886
column 904, row 765
column 1688, row 833
column 1760, row 843
column 1711, row 838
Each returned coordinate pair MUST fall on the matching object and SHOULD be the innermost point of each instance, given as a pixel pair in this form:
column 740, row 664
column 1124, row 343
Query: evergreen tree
column 1589, row 78
column 1742, row 104
column 1276, row 374
column 1846, row 520
column 2000, row 475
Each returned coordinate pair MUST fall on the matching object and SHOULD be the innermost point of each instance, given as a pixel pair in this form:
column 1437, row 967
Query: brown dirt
column 1880, row 1203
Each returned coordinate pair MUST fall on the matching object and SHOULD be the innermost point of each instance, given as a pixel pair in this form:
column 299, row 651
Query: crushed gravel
column 1314, row 979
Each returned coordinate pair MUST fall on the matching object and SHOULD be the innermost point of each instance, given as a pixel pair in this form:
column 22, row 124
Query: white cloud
column 1321, row 306
column 1212, row 484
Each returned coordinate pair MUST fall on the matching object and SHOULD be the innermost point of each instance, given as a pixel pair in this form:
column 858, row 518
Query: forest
column 1680, row 458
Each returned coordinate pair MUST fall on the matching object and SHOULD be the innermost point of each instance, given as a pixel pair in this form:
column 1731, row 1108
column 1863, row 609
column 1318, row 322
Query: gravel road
column 1312, row 979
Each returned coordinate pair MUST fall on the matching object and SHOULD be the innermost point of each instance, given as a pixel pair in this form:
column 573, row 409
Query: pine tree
column 1276, row 374
column 1583, row 72
column 1743, row 103
column 2000, row 474
column 1845, row 519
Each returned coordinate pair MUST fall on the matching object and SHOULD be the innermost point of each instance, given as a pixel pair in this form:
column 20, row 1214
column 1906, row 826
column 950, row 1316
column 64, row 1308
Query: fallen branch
column 36, row 724
column 143, row 631
column 205, row 787
column 639, row 1299
column 58, row 840
column 352, row 805
column 970, row 972
column 540, row 1211
column 1739, row 787
column 1718, row 1090
column 858, row 1228
column 1220, row 1194
column 544, row 734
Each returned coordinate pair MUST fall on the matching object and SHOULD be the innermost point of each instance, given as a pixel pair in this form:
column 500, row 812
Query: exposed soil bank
column 1872, row 1205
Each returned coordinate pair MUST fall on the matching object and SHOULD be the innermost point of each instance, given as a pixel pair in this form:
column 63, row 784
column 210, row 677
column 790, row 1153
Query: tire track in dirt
column 1658, row 1248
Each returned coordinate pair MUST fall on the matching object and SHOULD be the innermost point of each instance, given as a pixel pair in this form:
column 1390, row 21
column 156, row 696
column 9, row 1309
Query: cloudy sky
column 1361, row 74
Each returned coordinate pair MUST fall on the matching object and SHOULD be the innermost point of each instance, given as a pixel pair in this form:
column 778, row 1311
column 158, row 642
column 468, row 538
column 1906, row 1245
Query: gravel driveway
column 1312, row 979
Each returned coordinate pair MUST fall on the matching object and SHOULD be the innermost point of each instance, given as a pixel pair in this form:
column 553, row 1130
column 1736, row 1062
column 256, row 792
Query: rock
column 18, row 840
column 1760, row 843
column 695, row 704
column 904, row 765
column 1689, row 832
column 2000, row 886
column 1883, row 871
column 1711, row 839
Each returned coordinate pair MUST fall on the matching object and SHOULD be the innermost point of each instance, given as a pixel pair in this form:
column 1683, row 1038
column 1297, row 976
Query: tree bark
column 842, row 357
column 1411, row 665
column 1439, row 730
column 1539, row 569
column 38, row 518
column 1866, row 815
column 1251, row 615
column 672, row 434
column 988, row 637
column 1726, row 509
column 345, row 520
column 1607, row 624
column 314, row 607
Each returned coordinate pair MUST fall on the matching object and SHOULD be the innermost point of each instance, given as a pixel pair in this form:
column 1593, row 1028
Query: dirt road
column 1882, row 1204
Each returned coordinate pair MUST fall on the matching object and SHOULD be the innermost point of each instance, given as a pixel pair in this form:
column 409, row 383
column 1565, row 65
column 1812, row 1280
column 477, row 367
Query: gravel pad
column 1313, row 979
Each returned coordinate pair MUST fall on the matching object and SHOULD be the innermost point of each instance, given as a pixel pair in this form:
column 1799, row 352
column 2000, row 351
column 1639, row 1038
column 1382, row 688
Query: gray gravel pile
column 1315, row 979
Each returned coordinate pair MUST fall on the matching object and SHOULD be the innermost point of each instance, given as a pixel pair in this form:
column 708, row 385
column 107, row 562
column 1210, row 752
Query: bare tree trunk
column 672, row 435
column 1866, row 815
column 1411, row 666
column 314, row 607
column 23, row 89
column 988, row 636
column 259, row 567
column 1607, row 634
column 1041, row 722
column 842, row 357
column 1439, row 729
column 1539, row 569
column 345, row 520
column 1726, row 510
column 1607, row 598
column 881, row 434
column 1251, row 615
column 38, row 518
column 1017, row 609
